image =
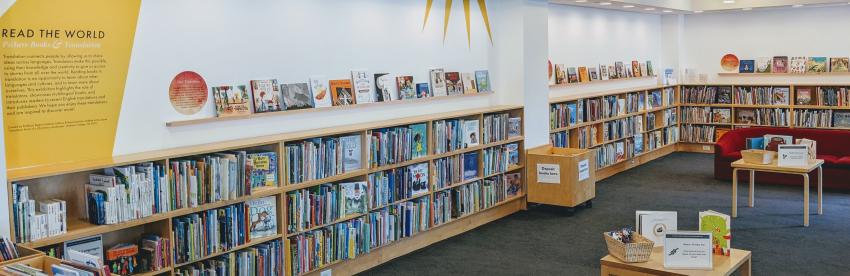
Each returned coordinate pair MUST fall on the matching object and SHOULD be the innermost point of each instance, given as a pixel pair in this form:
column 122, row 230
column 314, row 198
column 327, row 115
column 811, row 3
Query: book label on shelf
column 549, row 173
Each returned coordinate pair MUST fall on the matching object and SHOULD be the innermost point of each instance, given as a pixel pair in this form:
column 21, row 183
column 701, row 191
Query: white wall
column 752, row 34
column 232, row 42
column 580, row 36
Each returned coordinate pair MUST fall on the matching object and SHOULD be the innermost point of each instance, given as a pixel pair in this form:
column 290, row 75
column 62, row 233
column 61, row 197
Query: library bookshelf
column 66, row 181
column 697, row 118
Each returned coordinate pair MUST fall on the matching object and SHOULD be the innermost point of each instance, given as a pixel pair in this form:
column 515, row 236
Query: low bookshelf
column 626, row 127
column 421, row 185
column 690, row 117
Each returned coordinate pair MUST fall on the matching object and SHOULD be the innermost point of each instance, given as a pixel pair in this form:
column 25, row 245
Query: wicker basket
column 636, row 252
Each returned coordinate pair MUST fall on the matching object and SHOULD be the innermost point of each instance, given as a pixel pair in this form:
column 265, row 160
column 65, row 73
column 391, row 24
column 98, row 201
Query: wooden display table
column 739, row 261
column 772, row 167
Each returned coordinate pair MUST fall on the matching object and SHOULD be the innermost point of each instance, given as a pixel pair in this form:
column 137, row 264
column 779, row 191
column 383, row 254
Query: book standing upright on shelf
column 320, row 92
column 231, row 100
column 406, row 88
column 469, row 84
column 719, row 225
column 438, row 82
column 454, row 85
column 297, row 96
column 342, row 92
column 267, row 96
column 470, row 133
column 386, row 87
column 263, row 217
column 363, row 87
column 482, row 78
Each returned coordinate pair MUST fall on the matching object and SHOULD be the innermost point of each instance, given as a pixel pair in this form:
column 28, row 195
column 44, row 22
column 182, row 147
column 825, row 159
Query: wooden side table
column 772, row 167
column 738, row 260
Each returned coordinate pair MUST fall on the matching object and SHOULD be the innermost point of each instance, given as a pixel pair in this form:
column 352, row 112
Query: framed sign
column 687, row 250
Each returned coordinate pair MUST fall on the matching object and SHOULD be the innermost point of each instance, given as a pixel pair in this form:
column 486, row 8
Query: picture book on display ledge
column 454, row 85
column 267, row 96
column 469, row 84
column 386, row 88
column 297, row 96
column 362, row 85
column 747, row 66
column 320, row 92
column 342, row 92
column 263, row 213
column 406, row 88
column 438, row 82
column 482, row 78
column 231, row 100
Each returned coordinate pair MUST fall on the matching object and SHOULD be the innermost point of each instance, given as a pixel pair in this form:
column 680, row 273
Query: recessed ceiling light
column 628, row 6
column 649, row 9
column 797, row 5
column 667, row 11
column 605, row 3
column 581, row 1
column 697, row 11
column 747, row 9
column 728, row 1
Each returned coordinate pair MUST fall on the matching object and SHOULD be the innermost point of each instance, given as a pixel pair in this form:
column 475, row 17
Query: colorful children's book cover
column 839, row 64
column 470, row 165
column 419, row 178
column 386, row 88
column 342, row 92
column 816, row 65
column 780, row 64
column 798, row 65
column 263, row 213
column 469, row 86
column 263, row 169
column 438, row 82
column 470, row 133
column 320, row 92
column 572, row 75
column 423, row 90
column 420, row 140
column 804, row 96
column 231, row 100
column 514, row 184
column 720, row 227
column 267, row 96
column 583, row 75
column 454, row 85
column 362, row 85
column 764, row 64
column 482, row 78
column 354, row 198
column 747, row 66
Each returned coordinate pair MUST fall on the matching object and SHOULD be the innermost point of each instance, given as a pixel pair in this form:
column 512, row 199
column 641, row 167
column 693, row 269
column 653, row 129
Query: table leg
column 806, row 200
column 752, row 188
column 820, row 190
column 735, row 193
column 746, row 268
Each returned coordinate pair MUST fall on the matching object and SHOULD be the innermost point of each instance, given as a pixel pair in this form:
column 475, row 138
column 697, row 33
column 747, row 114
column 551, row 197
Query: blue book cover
column 573, row 114
column 422, row 90
column 747, row 66
column 470, row 165
column 755, row 143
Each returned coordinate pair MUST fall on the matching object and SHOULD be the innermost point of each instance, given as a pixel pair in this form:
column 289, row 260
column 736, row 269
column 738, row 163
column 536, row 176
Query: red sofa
column 833, row 146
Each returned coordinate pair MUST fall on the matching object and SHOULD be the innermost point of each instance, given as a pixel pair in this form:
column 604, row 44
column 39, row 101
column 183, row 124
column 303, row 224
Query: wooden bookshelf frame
column 679, row 145
column 64, row 180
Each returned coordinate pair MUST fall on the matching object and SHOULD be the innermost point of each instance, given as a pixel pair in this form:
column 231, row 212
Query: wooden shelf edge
column 807, row 74
column 575, row 84
column 234, row 249
column 180, row 123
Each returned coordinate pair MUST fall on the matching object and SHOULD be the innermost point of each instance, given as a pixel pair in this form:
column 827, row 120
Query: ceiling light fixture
column 797, row 5
column 604, row 3
column 649, row 9
column 697, row 11
column 581, row 1
column 667, row 11
column 728, row 1
column 628, row 6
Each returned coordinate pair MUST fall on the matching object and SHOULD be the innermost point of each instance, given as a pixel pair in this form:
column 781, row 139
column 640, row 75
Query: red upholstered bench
column 833, row 147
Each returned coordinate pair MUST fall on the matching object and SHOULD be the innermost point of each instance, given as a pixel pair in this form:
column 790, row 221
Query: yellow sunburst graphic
column 481, row 5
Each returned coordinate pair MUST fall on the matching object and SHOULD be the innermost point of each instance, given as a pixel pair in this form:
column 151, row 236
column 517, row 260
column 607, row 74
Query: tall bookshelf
column 66, row 181
column 698, row 115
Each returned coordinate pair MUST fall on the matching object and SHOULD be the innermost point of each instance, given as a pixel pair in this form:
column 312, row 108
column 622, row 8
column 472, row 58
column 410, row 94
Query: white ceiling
column 697, row 6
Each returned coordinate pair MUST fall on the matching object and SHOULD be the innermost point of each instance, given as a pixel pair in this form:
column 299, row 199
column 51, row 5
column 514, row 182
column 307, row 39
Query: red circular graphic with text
column 188, row 92
column 729, row 62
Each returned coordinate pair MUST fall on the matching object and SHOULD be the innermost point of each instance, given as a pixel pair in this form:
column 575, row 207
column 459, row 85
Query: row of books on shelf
column 705, row 115
column 668, row 118
column 699, row 133
column 588, row 110
column 822, row 96
column 499, row 127
column 762, row 95
column 86, row 256
column 619, row 70
column 662, row 137
column 706, row 95
column 763, row 116
column 8, row 250
column 619, row 151
column 219, row 230
column 34, row 222
column 622, row 128
column 262, row 259
column 793, row 65
column 319, row 158
column 348, row 239
column 328, row 203
column 398, row 144
column 363, row 87
column 817, row 118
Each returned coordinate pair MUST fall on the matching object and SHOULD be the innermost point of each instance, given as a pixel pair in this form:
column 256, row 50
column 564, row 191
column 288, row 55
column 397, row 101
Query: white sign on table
column 583, row 170
column 687, row 250
column 549, row 173
column 793, row 155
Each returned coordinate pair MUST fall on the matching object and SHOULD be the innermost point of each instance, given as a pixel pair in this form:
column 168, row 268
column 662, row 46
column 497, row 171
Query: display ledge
column 563, row 85
column 660, row 108
column 757, row 125
column 234, row 249
column 81, row 228
column 431, row 228
column 318, row 109
column 698, row 142
column 837, row 128
column 705, row 104
column 787, row 74
column 164, row 270
column 578, row 96
column 653, row 150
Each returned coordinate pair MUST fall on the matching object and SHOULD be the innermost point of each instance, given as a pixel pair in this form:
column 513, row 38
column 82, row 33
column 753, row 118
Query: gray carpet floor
column 546, row 241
